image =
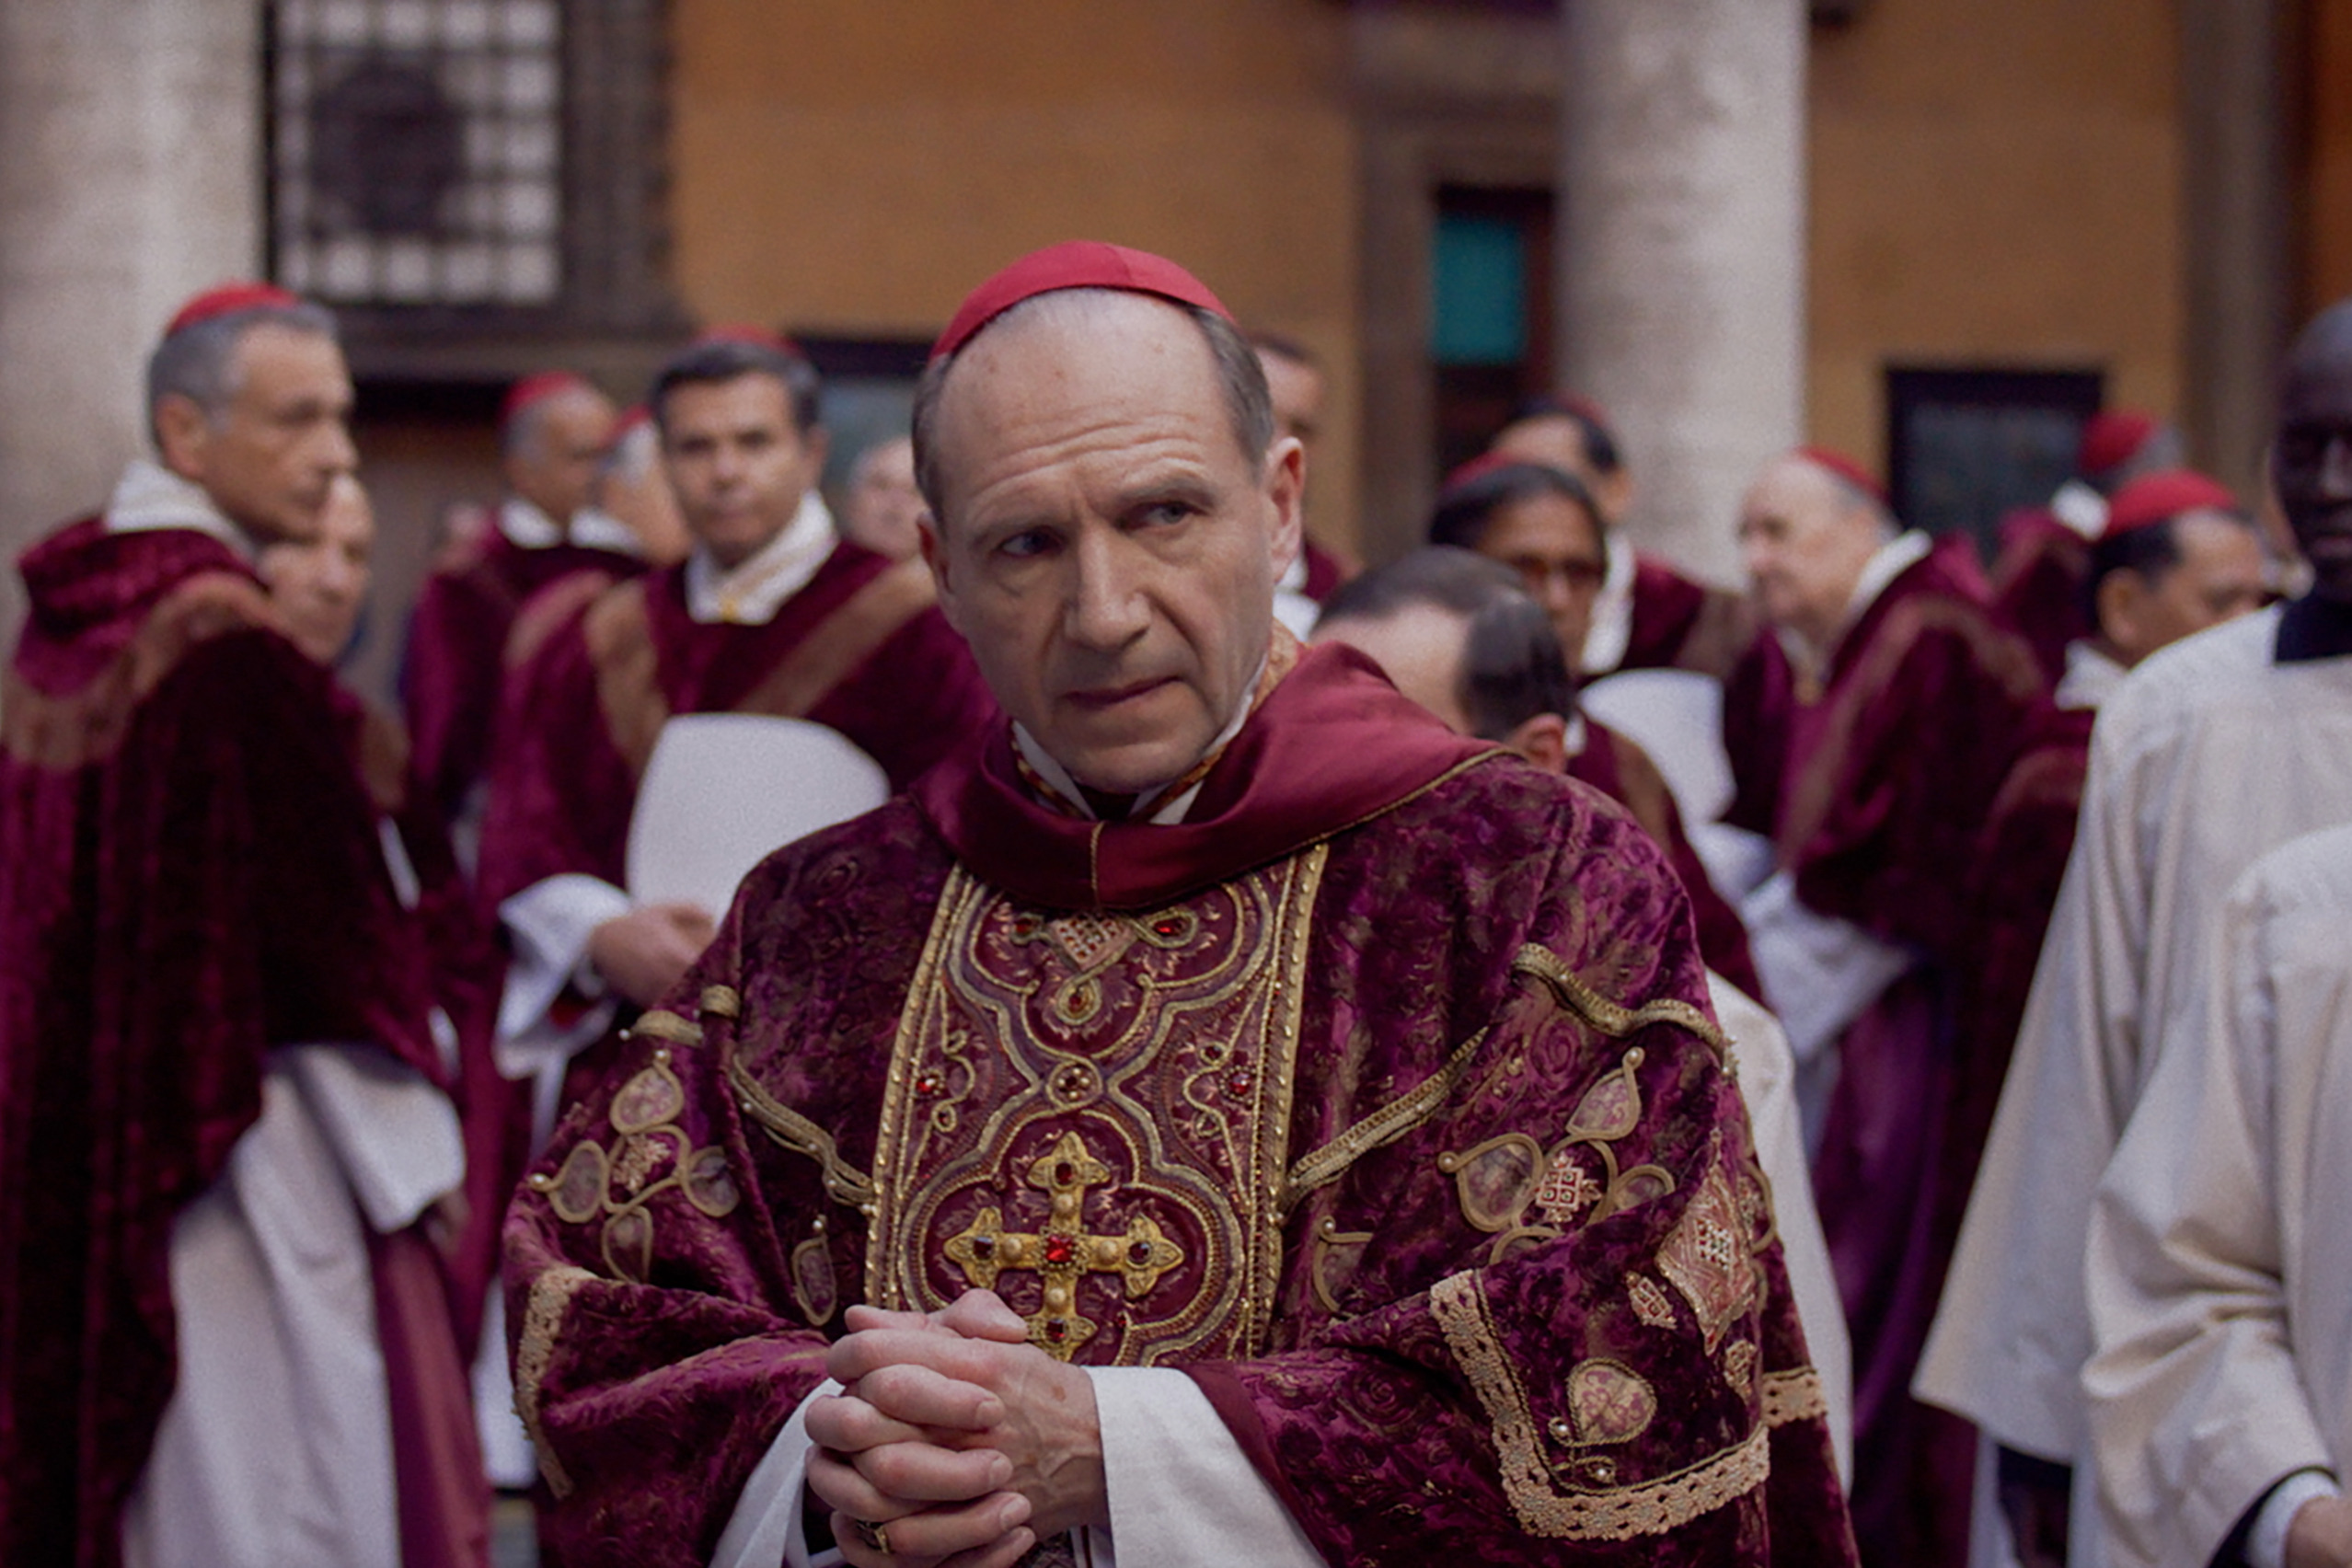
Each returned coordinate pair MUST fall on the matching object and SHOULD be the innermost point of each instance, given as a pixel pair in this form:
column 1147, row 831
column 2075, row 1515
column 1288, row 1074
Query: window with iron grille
column 489, row 166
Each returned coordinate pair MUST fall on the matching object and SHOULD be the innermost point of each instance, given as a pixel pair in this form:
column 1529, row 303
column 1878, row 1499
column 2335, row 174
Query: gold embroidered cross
column 1061, row 1252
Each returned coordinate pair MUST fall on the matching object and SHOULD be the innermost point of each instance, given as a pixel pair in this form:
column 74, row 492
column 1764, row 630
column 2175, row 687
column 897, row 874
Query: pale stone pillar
column 130, row 177
column 1681, row 249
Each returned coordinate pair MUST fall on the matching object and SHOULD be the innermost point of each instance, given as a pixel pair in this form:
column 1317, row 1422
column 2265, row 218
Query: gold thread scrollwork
column 786, row 1127
column 1332, row 1245
column 656, row 1024
column 1612, row 1019
column 1383, row 1127
column 1605, row 1513
column 654, row 1156
column 723, row 1001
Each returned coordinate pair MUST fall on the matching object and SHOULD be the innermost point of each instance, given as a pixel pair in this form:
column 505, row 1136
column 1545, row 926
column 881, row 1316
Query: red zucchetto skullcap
column 227, row 300
column 1846, row 469
column 2112, row 439
column 1074, row 264
column 533, row 390
column 2155, row 497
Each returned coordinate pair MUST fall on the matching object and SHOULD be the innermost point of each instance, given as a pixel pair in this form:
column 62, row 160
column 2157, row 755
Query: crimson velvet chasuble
column 1381, row 1096
column 190, row 876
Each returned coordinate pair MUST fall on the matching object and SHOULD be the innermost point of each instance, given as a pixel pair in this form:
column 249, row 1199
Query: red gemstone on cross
column 1169, row 926
column 1057, row 1328
column 1061, row 1250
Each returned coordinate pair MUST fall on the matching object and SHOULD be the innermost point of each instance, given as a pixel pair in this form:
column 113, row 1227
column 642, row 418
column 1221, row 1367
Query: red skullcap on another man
column 2113, row 438
column 1074, row 264
column 533, row 390
column 1847, row 469
column 2159, row 497
column 227, row 299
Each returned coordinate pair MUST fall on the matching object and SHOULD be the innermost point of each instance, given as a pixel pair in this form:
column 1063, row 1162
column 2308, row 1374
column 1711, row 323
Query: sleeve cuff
column 2266, row 1542
column 1182, row 1492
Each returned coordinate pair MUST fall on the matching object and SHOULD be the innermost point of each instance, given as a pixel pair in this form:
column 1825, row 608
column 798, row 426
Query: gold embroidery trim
column 723, row 1001
column 1793, row 1395
column 551, row 1296
column 1650, row 1507
column 1383, row 1127
column 661, row 1025
column 844, row 1182
column 1610, row 1018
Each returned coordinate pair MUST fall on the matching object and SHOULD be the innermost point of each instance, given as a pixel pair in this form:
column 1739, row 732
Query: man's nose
column 1107, row 606
column 337, row 451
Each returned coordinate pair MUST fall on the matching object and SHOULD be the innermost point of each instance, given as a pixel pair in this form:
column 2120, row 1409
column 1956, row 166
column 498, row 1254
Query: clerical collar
column 150, row 496
column 756, row 587
column 1611, row 631
column 1165, row 804
column 2091, row 677
column 526, row 527
column 2080, row 508
column 2312, row 628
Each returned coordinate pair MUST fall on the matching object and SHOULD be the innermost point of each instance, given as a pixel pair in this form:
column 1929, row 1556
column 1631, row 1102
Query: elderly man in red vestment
column 1890, row 706
column 223, row 1115
column 1646, row 614
column 1218, row 1113
column 554, row 432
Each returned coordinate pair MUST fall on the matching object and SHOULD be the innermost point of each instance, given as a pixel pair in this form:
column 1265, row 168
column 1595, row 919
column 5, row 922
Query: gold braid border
column 844, row 1182
column 1387, row 1124
column 551, row 1296
column 1609, row 1018
column 1651, row 1508
column 1793, row 1395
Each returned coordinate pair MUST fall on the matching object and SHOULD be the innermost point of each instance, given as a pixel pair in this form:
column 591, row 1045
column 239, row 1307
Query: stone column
column 130, row 177
column 1681, row 249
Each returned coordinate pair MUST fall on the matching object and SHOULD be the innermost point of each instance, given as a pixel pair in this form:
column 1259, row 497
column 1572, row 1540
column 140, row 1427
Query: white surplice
column 2208, row 754
column 2220, row 1264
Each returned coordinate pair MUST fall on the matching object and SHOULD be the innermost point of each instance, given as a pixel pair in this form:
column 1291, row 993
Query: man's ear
column 2119, row 600
column 183, row 432
column 935, row 555
column 1613, row 493
column 816, row 440
column 1285, row 482
column 1543, row 740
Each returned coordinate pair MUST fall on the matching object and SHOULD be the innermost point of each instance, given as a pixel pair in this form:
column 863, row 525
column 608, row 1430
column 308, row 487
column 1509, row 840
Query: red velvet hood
column 91, row 590
column 1331, row 745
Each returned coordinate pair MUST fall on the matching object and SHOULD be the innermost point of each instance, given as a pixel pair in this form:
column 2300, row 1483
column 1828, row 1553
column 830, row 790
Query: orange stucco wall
column 855, row 166
column 1995, row 183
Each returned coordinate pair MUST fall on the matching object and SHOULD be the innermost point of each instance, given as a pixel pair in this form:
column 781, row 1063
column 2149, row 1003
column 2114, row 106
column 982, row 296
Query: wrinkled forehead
column 1076, row 359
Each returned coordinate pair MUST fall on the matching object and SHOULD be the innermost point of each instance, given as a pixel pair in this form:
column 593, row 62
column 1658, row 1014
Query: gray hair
column 198, row 362
column 1249, row 406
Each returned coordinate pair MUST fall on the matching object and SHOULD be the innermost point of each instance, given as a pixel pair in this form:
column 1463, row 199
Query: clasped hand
column 953, row 1432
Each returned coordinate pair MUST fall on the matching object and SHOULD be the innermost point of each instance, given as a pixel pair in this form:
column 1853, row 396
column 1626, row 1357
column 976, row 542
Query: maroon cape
column 1326, row 569
column 1620, row 768
column 862, row 647
column 1680, row 623
column 1385, row 1092
column 1889, row 779
column 2037, row 582
column 190, row 876
column 451, row 674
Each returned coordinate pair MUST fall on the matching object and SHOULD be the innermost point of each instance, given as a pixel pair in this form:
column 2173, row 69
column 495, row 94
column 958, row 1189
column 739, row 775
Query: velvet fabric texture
column 1391, row 1094
column 2038, row 577
column 1887, row 780
column 190, row 876
column 582, row 712
column 452, row 671
column 1620, row 770
column 1680, row 623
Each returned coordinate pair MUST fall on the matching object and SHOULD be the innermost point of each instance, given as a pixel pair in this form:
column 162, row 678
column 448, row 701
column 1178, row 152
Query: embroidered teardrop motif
column 652, row 1097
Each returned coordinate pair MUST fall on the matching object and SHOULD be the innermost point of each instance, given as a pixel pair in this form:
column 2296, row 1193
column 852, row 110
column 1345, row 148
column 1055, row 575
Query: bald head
column 1806, row 533
column 1105, row 534
column 2311, row 458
